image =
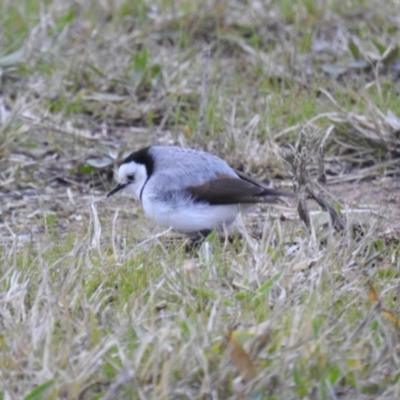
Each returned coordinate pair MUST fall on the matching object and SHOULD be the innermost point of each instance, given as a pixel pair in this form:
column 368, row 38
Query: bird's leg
column 236, row 236
column 196, row 241
column 202, row 235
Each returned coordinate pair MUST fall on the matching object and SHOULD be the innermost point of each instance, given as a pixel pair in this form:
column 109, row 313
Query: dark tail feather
column 271, row 195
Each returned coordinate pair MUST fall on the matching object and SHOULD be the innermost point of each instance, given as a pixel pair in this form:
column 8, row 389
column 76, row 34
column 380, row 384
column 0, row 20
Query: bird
column 191, row 191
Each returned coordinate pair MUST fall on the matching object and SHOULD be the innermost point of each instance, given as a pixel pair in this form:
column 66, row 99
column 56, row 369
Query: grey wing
column 179, row 168
column 227, row 190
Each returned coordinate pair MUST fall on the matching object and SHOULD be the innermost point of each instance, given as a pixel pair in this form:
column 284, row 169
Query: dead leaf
column 241, row 359
column 391, row 317
column 305, row 264
column 373, row 296
column 186, row 131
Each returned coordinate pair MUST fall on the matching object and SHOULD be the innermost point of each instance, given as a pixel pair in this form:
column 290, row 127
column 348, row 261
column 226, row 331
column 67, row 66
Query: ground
column 376, row 199
column 98, row 302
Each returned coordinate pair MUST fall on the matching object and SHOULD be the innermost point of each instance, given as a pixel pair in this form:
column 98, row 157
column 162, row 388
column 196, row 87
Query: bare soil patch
column 372, row 199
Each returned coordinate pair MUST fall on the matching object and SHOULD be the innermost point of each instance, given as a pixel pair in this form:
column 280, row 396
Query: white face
column 134, row 176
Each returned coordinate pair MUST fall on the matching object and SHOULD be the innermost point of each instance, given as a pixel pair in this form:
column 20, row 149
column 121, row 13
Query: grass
column 96, row 302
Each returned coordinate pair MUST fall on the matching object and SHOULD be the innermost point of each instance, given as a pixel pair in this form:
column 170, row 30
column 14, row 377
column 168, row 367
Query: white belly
column 190, row 217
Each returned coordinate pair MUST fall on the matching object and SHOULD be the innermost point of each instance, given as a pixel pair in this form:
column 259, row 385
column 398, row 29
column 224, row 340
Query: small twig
column 148, row 240
column 321, row 156
column 303, row 210
column 337, row 222
column 301, row 178
column 321, row 165
column 299, row 157
column 96, row 227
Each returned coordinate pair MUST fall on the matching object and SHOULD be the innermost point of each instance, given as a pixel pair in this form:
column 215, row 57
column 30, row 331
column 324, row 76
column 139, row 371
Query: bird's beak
column 117, row 188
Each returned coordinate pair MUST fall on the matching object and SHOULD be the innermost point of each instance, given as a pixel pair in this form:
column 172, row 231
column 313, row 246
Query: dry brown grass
column 95, row 302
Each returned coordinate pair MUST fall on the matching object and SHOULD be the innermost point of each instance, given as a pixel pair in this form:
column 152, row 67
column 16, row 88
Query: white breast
column 189, row 216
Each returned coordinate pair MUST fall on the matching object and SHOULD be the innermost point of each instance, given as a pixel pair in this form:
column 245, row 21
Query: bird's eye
column 130, row 177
